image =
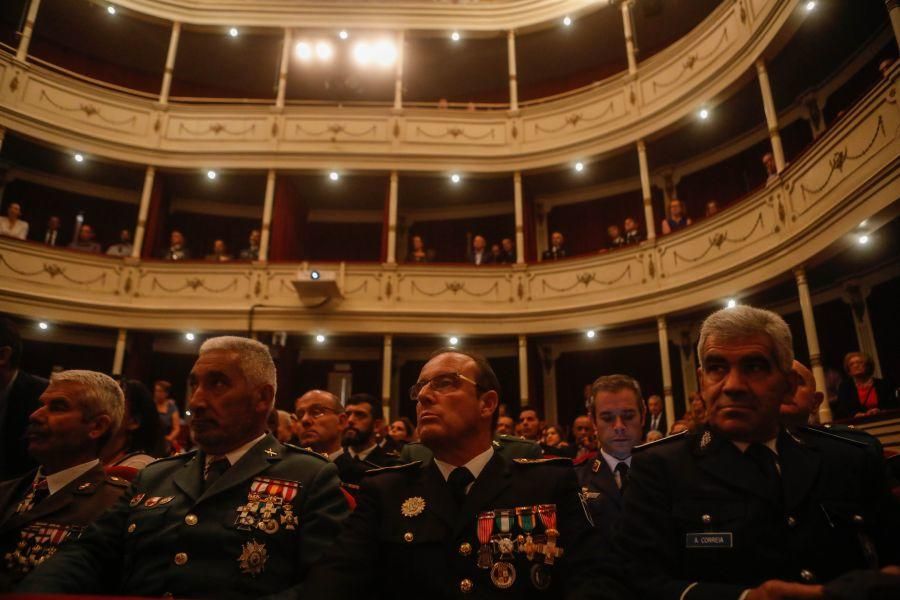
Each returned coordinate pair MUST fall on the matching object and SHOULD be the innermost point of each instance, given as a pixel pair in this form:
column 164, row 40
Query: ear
column 342, row 420
column 490, row 403
column 99, row 426
column 265, row 398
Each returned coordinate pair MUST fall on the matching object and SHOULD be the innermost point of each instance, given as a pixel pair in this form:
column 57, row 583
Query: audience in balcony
column 768, row 161
column 479, row 254
column 632, row 233
column 219, row 252
column 251, row 252
column 418, row 253
column 557, row 247
column 712, row 207
column 52, row 235
column 861, row 393
column 167, row 411
column 508, row 256
column 177, row 249
column 85, row 240
column 677, row 219
column 12, row 225
column 124, row 247
column 496, row 254
column 615, row 237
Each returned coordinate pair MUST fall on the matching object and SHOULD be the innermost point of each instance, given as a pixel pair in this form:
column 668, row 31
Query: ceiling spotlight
column 303, row 51
column 189, row 336
column 334, row 176
column 453, row 340
column 864, row 222
column 384, row 53
column 455, row 178
column 324, row 51
column 731, row 303
column 320, row 339
column 111, row 9
column 810, row 5
column 43, row 325
column 78, row 157
column 579, row 166
column 211, row 174
column 704, row 114
column 454, row 36
column 314, row 275
column 343, row 34
column 591, row 334
column 187, row 413
column 362, row 54
column 567, row 21
column 863, row 239
column 233, row 32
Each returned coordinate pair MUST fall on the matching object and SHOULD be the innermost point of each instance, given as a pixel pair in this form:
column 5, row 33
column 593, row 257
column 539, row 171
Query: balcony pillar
column 629, row 37
column 771, row 115
column 393, row 193
column 523, row 370
column 398, row 74
column 855, row 296
column 688, row 366
column 170, row 63
column 283, row 69
column 540, row 229
column 513, row 83
column 666, row 368
column 893, row 8
column 141, row 227
column 548, row 362
column 812, row 339
column 119, row 357
column 25, row 41
column 646, row 190
column 520, row 219
column 266, row 231
column 387, row 351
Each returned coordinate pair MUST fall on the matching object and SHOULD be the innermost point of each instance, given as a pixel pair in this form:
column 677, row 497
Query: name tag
column 710, row 539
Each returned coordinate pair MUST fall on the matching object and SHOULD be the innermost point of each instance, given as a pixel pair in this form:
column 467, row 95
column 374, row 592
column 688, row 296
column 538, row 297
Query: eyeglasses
column 314, row 412
column 444, row 382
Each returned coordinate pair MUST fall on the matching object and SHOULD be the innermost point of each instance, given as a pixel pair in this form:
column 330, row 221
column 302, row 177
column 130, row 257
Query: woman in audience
column 862, row 394
column 402, row 432
column 677, row 218
column 696, row 417
column 418, row 253
column 167, row 410
column 139, row 441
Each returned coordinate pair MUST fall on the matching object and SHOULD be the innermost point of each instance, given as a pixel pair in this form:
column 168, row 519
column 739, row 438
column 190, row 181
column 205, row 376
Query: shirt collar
column 612, row 461
column 742, row 446
column 61, row 479
column 238, row 453
column 333, row 456
column 364, row 454
column 475, row 466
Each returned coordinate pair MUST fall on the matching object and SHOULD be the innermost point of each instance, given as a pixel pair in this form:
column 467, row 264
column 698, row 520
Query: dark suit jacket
column 20, row 403
column 663, row 425
column 381, row 553
column 548, row 254
column 601, row 494
column 167, row 534
column 705, row 513
column 68, row 512
column 848, row 405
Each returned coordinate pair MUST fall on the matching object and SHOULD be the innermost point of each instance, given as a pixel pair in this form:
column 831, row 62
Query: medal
column 151, row 502
column 525, row 518
column 540, row 576
column 268, row 523
column 503, row 575
column 288, row 519
column 505, row 544
column 485, row 527
column 412, row 507
column 253, row 558
column 547, row 513
column 136, row 500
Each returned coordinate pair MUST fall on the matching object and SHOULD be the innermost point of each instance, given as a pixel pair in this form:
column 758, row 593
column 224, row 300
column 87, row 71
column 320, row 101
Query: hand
column 775, row 589
column 872, row 411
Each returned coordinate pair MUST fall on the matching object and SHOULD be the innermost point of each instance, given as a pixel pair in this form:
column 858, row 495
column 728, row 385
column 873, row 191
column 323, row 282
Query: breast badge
column 412, row 507
column 253, row 558
column 269, row 506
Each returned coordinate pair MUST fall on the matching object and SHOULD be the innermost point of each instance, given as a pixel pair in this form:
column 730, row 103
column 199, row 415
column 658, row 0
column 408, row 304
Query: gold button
column 131, row 528
column 408, row 536
column 181, row 558
column 466, row 586
column 465, row 548
column 190, row 519
column 792, row 522
column 858, row 519
column 706, row 519
column 807, row 575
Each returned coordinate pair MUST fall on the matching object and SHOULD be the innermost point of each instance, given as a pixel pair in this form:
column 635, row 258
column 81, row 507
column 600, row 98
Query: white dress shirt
column 61, row 479
column 19, row 229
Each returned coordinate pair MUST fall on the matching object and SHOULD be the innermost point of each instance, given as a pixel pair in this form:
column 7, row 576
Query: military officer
column 468, row 521
column 77, row 414
column 244, row 516
column 743, row 509
column 364, row 418
column 617, row 408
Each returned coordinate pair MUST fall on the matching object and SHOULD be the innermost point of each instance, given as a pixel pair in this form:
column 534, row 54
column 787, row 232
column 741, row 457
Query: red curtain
column 584, row 224
column 155, row 230
column 287, row 238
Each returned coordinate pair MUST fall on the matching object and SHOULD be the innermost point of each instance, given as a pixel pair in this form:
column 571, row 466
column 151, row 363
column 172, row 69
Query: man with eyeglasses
column 467, row 520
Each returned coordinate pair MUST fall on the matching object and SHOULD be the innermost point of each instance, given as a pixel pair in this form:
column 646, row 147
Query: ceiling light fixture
column 454, row 36
column 320, row 339
column 43, row 325
column 324, row 51
column 78, row 157
column 362, row 54
column 233, row 32
column 111, row 9
column 384, row 53
column 455, row 178
column 579, row 166
column 591, row 334
column 810, row 5
column 704, row 113
column 864, row 222
column 190, row 336
column 731, row 303
column 211, row 174
column 453, row 340
column 863, row 239
column 343, row 34
column 334, row 176
column 303, row 51
column 567, row 20
column 314, row 275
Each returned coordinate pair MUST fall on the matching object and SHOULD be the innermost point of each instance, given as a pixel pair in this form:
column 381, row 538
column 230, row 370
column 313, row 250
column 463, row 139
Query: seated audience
column 677, row 219
column 177, row 249
column 418, row 253
column 322, row 421
column 139, row 440
column 280, row 426
column 124, row 247
column 679, row 427
column 803, row 407
column 402, row 432
column 768, row 161
column 251, row 252
column 585, row 436
column 509, row 251
column 615, row 237
column 506, row 425
column 697, row 415
column 479, row 254
column 219, row 253
column 168, row 414
column 553, row 442
column 85, row 240
column 12, row 225
column 496, row 254
column 557, row 247
column 861, row 393
column 364, row 417
column 530, row 424
column 712, row 207
column 656, row 416
column 50, row 507
column 52, row 234
column 633, row 235
column 653, row 436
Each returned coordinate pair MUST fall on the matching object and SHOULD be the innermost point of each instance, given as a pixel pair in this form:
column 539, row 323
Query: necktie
column 459, row 479
column 39, row 490
column 766, row 461
column 622, row 473
column 214, row 470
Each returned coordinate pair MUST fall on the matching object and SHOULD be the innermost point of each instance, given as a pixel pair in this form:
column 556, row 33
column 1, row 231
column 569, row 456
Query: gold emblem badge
column 166, row 500
column 270, row 452
column 412, row 507
column 253, row 558
column 705, row 440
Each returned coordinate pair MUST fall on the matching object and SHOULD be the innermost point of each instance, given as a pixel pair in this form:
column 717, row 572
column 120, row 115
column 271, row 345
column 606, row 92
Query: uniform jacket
column 166, row 535
column 408, row 539
column 20, row 403
column 601, row 494
column 699, row 513
column 31, row 537
column 509, row 446
column 352, row 470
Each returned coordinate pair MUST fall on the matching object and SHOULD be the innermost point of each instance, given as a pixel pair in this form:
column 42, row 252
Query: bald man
column 323, row 421
column 803, row 407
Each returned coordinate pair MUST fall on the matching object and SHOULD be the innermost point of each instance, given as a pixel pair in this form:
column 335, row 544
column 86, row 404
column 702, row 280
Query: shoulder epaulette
column 833, row 435
column 509, row 439
column 559, row 460
column 668, row 438
column 393, row 468
column 306, row 450
column 181, row 456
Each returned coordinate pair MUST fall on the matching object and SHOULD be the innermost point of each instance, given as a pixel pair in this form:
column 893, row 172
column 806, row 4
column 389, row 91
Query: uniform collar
column 363, row 455
column 238, row 453
column 475, row 466
column 61, row 479
column 770, row 444
column 612, row 461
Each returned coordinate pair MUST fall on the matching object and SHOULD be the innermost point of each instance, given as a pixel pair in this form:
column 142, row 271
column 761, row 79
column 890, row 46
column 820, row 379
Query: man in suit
column 364, row 417
column 19, row 393
column 656, row 417
column 77, row 414
column 618, row 412
column 52, row 235
column 467, row 520
column 743, row 508
column 245, row 516
column 557, row 247
column 322, row 423
column 479, row 254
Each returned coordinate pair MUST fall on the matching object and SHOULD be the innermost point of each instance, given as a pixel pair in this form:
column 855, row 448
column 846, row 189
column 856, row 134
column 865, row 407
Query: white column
column 520, row 218
column 170, row 63
column 666, row 368
column 143, row 211
column 22, row 51
column 523, row 370
column 266, row 231
column 688, row 366
column 856, row 298
column 548, row 358
column 398, row 75
column 646, row 191
column 387, row 357
column 893, row 8
column 513, row 84
column 812, row 340
column 771, row 114
column 283, row 69
column 119, row 357
column 629, row 36
column 393, row 193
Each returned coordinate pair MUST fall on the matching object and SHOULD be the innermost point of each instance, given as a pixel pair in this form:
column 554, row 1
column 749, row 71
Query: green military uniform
column 702, row 520
column 255, row 531
column 29, row 538
column 509, row 446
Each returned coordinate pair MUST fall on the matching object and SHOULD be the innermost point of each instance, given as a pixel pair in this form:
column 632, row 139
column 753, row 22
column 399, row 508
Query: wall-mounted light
column 320, row 339
column 591, row 334
column 233, row 32
column 453, row 340
column 190, row 336
column 579, row 166
column 455, row 36
column 211, row 174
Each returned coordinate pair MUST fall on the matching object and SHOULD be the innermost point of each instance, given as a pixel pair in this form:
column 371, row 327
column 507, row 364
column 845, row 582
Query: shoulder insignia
column 510, row 439
column 117, row 481
column 665, row 440
column 557, row 460
column 86, row 488
column 308, row 451
column 182, row 456
column 832, row 434
column 393, row 468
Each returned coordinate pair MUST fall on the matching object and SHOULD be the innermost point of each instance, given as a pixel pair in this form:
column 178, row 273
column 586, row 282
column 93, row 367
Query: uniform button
column 131, row 528
column 181, row 558
column 807, row 575
column 792, row 522
column 190, row 519
column 465, row 548
column 706, row 519
column 858, row 519
column 466, row 586
column 408, row 536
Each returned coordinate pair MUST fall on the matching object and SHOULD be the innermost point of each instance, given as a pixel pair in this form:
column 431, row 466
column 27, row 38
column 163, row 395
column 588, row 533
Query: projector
column 315, row 285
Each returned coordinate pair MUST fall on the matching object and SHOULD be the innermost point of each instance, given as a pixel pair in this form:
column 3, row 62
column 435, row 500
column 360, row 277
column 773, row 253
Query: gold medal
column 253, row 558
column 503, row 575
column 412, row 507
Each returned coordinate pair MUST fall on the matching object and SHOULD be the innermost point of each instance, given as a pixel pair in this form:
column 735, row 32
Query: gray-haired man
column 245, row 516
